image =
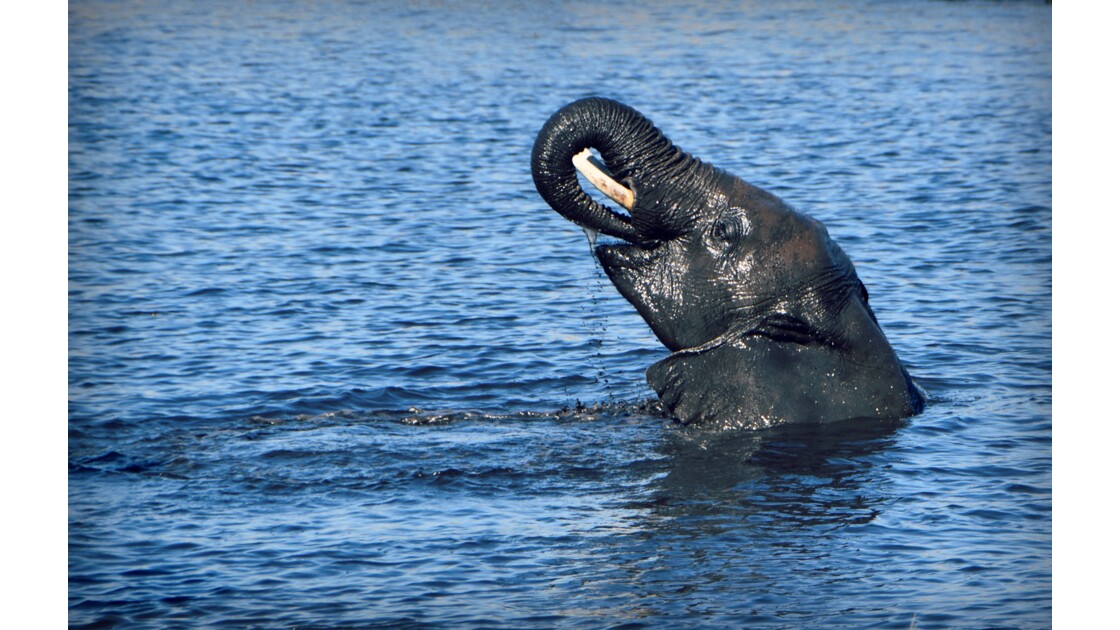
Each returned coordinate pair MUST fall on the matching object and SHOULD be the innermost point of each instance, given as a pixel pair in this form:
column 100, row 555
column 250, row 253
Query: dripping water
column 592, row 235
column 596, row 325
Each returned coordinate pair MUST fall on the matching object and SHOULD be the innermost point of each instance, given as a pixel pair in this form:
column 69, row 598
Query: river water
column 334, row 364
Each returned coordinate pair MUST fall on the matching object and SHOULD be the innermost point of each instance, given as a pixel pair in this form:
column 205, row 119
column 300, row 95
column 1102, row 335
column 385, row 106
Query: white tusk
column 591, row 168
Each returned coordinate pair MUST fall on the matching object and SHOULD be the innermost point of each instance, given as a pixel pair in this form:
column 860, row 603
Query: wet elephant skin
column 765, row 316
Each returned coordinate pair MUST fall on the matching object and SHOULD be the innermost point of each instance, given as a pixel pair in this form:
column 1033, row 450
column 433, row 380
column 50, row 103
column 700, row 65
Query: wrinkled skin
column 766, row 317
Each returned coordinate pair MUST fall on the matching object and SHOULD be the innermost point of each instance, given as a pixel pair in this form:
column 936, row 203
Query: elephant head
column 765, row 316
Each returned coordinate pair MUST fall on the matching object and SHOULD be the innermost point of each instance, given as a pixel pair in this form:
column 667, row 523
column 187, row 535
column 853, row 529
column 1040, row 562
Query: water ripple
column 333, row 363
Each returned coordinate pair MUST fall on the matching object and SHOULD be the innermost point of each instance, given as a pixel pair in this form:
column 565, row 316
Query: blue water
column 333, row 362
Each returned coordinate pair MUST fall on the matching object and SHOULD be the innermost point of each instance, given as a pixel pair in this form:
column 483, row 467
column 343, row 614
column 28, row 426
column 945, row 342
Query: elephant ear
column 706, row 385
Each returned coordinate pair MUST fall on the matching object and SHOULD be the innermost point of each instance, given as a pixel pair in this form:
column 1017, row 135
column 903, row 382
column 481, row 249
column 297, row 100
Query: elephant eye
column 728, row 229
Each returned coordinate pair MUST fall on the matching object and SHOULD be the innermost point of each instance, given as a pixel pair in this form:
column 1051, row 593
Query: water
column 333, row 363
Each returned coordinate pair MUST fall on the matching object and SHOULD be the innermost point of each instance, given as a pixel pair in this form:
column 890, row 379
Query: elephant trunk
column 636, row 153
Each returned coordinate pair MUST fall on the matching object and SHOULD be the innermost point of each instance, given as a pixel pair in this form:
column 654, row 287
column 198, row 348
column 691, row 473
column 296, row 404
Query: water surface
column 333, row 363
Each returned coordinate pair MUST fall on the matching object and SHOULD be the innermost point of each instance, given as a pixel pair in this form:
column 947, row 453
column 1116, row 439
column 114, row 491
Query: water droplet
column 592, row 235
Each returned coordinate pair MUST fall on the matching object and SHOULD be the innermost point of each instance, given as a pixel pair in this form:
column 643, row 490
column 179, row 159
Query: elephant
column 766, row 320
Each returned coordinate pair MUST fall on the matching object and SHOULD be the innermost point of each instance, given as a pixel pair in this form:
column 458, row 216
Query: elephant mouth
column 625, row 258
column 622, row 261
column 613, row 256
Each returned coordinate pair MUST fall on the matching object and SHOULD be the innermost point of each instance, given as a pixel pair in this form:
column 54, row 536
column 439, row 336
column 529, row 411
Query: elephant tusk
column 596, row 173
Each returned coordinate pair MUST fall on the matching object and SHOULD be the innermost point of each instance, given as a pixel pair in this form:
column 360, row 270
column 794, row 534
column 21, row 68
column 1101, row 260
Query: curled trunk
column 636, row 153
